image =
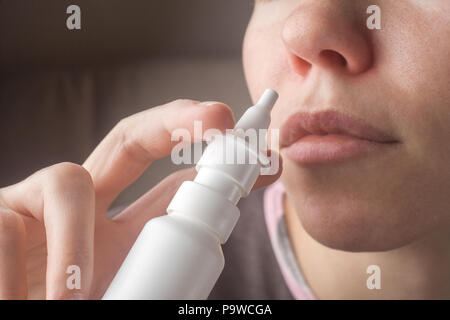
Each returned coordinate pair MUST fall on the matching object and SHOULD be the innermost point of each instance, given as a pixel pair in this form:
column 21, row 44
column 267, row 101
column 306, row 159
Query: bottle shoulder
column 183, row 227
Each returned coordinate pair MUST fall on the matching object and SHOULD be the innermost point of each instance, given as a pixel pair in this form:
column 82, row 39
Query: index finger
column 135, row 142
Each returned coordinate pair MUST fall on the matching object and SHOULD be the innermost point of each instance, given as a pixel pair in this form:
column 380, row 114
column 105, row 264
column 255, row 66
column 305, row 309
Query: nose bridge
column 327, row 34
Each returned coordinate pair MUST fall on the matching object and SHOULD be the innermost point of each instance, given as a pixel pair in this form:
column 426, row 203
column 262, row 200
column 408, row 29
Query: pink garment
column 275, row 222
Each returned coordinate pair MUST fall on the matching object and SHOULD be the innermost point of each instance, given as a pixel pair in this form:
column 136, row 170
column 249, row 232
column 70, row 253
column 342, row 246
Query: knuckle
column 11, row 225
column 123, row 124
column 124, row 140
column 121, row 131
column 67, row 175
column 218, row 115
column 132, row 147
column 128, row 142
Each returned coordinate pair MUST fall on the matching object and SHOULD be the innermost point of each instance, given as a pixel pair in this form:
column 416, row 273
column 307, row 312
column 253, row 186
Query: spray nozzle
column 258, row 116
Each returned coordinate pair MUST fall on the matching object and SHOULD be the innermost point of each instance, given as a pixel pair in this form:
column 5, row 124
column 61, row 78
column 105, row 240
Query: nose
column 327, row 35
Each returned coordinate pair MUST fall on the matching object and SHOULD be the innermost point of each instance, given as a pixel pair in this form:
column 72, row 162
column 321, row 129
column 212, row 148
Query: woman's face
column 391, row 186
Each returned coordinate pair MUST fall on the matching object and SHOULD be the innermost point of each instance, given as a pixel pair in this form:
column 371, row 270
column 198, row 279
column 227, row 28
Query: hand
column 57, row 217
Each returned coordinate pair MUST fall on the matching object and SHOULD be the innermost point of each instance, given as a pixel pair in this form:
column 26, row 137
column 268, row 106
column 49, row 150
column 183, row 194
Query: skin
column 57, row 217
column 391, row 208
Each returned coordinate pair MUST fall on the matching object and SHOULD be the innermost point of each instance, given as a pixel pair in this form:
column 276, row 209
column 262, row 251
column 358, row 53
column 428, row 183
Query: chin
column 350, row 230
column 359, row 220
column 355, row 225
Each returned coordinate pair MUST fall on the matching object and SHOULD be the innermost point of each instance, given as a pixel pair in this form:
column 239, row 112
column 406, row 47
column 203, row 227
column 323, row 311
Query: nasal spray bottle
column 179, row 255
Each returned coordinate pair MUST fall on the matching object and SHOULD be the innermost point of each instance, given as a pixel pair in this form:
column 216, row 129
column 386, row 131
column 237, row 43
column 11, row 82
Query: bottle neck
column 219, row 182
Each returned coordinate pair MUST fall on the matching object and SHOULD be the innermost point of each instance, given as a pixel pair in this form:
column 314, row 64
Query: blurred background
column 62, row 90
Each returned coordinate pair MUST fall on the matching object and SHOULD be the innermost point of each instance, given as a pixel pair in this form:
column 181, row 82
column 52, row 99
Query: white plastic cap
column 258, row 116
column 268, row 99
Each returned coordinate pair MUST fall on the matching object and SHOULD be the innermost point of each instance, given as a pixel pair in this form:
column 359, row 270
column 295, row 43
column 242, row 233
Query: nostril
column 331, row 57
column 299, row 65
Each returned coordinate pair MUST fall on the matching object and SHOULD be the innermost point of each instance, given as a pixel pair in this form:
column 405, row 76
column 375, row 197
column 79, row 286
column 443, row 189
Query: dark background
column 62, row 90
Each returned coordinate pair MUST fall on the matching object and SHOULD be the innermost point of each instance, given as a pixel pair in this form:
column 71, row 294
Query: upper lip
column 302, row 124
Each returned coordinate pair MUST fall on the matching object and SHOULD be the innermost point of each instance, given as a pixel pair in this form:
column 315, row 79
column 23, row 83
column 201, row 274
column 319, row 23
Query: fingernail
column 210, row 103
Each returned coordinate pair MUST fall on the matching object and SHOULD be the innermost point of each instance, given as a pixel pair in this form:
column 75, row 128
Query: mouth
column 330, row 136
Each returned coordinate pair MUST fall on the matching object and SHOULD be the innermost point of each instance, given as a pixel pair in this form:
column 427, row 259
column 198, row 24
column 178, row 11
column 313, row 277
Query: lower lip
column 316, row 149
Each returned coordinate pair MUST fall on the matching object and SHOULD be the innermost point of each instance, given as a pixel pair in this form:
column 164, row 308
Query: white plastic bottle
column 179, row 255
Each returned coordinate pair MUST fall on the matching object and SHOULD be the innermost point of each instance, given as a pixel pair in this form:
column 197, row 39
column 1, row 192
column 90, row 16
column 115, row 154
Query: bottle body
column 173, row 258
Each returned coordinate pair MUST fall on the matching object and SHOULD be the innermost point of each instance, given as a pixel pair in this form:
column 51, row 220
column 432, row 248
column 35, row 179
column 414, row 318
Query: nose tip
column 326, row 38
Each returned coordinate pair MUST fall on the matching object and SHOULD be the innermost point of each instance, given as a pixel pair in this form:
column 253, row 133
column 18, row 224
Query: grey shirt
column 251, row 269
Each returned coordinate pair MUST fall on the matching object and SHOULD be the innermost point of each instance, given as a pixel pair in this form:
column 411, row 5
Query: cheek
column 265, row 64
column 415, row 64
